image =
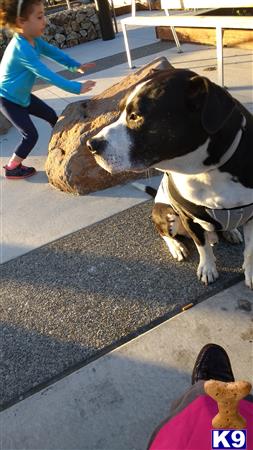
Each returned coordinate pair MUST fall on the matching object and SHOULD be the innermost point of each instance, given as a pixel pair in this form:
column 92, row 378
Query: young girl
column 18, row 69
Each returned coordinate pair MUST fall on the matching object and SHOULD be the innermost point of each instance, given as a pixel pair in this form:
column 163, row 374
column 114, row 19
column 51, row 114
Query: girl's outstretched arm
column 54, row 53
column 30, row 60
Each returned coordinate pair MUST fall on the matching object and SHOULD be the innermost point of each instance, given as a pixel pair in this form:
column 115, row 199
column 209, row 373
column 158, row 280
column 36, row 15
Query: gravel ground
column 72, row 300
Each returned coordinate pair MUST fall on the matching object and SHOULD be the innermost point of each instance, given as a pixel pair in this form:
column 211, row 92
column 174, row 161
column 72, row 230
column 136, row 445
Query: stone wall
column 66, row 28
column 72, row 27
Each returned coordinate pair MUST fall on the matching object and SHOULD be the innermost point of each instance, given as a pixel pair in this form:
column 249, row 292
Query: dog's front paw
column 233, row 236
column 207, row 273
column 248, row 271
column 176, row 248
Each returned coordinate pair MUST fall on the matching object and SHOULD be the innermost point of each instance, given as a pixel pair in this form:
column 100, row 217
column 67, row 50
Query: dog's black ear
column 215, row 103
column 196, row 93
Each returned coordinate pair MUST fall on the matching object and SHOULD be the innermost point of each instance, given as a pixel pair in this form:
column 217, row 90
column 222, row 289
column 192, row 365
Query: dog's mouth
column 114, row 164
column 139, row 170
column 106, row 165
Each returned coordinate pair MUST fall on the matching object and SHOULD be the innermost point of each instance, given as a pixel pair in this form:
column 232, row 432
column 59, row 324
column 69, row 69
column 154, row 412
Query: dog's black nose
column 96, row 145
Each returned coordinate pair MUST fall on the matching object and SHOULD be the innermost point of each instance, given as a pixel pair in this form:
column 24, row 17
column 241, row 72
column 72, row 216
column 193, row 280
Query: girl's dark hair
column 8, row 12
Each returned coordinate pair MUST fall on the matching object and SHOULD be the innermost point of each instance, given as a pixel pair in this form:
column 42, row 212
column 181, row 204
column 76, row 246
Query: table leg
column 219, row 53
column 127, row 46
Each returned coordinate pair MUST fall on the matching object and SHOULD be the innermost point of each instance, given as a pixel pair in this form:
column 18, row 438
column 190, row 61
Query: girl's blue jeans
column 19, row 116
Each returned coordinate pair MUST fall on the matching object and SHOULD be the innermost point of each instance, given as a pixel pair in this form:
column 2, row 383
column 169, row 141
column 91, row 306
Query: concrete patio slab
column 115, row 403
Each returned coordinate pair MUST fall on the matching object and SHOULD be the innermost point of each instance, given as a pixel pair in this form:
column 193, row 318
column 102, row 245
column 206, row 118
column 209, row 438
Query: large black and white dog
column 202, row 139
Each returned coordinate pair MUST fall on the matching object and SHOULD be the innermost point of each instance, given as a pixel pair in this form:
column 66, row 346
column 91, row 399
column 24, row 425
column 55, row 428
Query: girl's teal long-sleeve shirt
column 21, row 65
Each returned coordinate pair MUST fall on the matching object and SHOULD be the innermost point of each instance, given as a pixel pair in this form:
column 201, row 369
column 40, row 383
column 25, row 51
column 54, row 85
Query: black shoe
column 19, row 172
column 212, row 363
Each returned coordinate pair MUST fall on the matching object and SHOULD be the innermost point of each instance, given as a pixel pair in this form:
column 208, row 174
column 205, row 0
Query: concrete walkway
column 117, row 400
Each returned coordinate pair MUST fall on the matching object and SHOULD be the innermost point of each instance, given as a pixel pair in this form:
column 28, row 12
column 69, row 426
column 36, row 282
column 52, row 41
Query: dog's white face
column 115, row 141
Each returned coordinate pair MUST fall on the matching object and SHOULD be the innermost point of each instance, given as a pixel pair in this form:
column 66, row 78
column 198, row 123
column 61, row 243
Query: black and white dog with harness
column 202, row 139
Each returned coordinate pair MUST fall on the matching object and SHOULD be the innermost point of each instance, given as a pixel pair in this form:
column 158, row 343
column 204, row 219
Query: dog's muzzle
column 96, row 145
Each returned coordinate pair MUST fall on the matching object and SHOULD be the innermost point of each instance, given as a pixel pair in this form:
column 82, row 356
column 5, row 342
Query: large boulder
column 70, row 167
column 4, row 124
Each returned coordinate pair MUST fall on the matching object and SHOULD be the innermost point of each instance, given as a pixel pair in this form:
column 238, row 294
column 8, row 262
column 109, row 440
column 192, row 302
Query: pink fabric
column 191, row 429
column 12, row 164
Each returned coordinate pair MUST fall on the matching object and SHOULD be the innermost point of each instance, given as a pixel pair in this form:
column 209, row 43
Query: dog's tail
column 148, row 189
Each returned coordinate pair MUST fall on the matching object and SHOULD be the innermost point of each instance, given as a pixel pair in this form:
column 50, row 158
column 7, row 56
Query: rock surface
column 70, row 167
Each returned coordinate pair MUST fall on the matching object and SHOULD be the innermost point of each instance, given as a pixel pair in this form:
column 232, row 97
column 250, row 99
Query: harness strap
column 223, row 218
column 195, row 211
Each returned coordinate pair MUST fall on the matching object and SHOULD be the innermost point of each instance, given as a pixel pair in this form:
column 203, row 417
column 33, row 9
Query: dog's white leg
column 206, row 272
column 233, row 236
column 248, row 253
column 176, row 248
column 212, row 238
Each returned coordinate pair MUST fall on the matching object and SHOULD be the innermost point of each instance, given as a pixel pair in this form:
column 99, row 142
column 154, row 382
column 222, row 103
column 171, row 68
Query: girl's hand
column 87, row 86
column 84, row 67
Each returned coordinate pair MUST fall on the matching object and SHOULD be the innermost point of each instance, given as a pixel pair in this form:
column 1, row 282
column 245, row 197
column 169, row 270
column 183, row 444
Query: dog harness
column 224, row 219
